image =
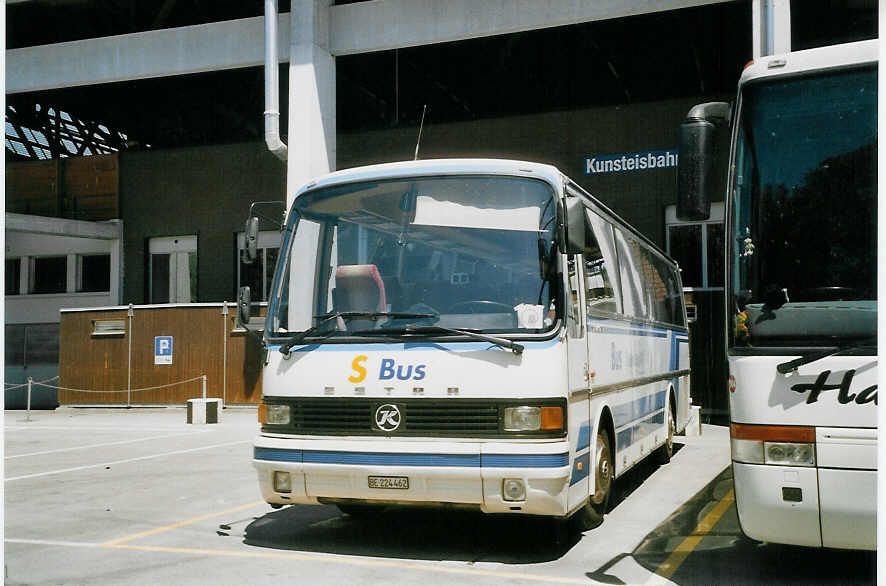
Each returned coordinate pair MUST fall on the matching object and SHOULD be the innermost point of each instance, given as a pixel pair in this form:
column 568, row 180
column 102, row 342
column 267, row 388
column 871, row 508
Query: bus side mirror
column 243, row 305
column 250, row 250
column 696, row 181
column 575, row 226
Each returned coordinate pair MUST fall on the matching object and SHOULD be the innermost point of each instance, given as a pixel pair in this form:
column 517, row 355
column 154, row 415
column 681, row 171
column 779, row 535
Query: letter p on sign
column 162, row 349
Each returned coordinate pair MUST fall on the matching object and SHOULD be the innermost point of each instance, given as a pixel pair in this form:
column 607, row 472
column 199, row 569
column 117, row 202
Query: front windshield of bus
column 804, row 217
column 379, row 258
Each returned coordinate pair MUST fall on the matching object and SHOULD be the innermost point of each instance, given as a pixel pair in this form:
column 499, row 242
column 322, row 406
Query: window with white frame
column 172, row 271
column 258, row 275
column 698, row 247
column 41, row 264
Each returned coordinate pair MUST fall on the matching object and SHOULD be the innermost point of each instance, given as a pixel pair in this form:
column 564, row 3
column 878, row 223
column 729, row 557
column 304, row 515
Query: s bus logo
column 388, row 370
column 388, row 417
column 358, row 368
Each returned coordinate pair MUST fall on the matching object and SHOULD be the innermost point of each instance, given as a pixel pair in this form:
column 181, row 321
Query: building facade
column 176, row 96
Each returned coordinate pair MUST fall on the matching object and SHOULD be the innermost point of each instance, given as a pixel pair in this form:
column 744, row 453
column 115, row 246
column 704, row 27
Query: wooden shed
column 157, row 355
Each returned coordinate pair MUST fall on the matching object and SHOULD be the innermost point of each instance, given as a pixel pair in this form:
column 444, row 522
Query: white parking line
column 51, row 543
column 90, row 446
column 334, row 559
column 89, row 428
column 115, row 462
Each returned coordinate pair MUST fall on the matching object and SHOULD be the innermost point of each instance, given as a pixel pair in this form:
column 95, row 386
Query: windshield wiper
column 326, row 318
column 791, row 365
column 431, row 329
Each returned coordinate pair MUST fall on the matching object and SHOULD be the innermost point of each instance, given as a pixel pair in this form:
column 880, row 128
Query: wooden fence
column 106, row 357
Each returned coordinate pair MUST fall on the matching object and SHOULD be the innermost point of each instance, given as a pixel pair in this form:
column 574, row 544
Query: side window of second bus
column 601, row 280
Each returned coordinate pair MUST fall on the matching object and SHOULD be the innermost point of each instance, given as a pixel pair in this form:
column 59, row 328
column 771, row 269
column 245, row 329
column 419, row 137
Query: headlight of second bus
column 533, row 418
column 772, row 444
column 785, row 454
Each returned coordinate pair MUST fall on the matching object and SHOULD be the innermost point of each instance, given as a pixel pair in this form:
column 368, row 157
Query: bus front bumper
column 535, row 476
column 815, row 507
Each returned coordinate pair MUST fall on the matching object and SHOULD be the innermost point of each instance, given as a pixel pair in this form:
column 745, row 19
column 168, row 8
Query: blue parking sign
column 162, row 349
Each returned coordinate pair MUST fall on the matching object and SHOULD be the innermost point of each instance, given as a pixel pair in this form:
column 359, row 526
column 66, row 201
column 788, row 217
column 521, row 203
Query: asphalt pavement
column 137, row 496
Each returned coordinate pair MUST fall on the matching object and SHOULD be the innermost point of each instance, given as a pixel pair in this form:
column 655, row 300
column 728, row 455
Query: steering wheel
column 480, row 306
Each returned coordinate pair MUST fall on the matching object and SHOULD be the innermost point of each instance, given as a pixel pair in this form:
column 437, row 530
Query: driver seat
column 359, row 288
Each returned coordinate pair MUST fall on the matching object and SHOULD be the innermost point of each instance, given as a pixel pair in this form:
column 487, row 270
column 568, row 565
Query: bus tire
column 591, row 515
column 666, row 450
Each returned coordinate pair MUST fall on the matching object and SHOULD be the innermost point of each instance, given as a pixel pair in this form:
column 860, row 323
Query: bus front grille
column 356, row 416
column 419, row 416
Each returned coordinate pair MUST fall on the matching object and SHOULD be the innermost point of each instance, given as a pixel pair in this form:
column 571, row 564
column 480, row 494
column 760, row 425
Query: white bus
column 475, row 333
column 801, row 315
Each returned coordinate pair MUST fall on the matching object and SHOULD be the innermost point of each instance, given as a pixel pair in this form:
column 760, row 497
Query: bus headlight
column 274, row 414
column 526, row 418
column 785, row 454
column 779, row 445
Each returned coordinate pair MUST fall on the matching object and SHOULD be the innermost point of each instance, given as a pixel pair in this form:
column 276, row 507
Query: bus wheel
column 664, row 453
column 591, row 515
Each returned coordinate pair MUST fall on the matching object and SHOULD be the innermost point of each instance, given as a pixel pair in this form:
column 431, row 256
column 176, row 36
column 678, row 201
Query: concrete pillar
column 771, row 22
column 311, row 139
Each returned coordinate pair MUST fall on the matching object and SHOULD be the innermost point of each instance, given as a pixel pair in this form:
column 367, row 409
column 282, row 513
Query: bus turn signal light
column 552, row 418
column 773, row 433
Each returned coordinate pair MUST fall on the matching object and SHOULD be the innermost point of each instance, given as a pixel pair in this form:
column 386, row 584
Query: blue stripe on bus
column 633, row 410
column 637, row 432
column 524, row 460
column 584, row 436
column 581, row 468
column 277, row 455
column 400, row 459
column 390, row 459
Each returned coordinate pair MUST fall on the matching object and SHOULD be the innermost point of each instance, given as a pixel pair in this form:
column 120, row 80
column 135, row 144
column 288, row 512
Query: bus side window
column 634, row 291
column 654, row 286
column 602, row 297
column 666, row 297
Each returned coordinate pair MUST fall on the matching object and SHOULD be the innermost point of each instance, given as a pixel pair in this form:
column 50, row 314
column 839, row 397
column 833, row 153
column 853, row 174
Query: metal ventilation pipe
column 272, row 83
column 771, row 22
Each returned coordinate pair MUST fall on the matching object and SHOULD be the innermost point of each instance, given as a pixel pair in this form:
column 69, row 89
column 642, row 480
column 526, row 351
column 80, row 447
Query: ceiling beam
column 379, row 25
column 230, row 44
column 353, row 28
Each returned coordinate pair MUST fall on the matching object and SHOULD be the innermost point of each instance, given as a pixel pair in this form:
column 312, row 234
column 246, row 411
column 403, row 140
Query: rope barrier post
column 225, row 353
column 30, row 382
column 204, row 386
column 129, row 313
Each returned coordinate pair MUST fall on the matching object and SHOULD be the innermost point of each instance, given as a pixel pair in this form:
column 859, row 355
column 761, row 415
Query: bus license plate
column 397, row 482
